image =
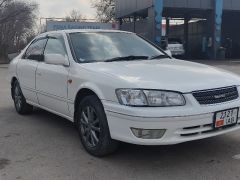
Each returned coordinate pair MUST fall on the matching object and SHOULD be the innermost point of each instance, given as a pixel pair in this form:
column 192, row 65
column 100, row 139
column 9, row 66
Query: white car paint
column 46, row 86
column 26, row 73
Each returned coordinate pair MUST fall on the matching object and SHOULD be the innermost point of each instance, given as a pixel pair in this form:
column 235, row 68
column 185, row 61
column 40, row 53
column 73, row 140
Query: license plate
column 226, row 118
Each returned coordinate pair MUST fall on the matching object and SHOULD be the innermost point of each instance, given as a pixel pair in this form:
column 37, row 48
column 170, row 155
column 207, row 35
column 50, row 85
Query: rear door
column 26, row 69
column 52, row 80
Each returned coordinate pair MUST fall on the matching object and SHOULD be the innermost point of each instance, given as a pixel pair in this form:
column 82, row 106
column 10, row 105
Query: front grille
column 216, row 96
column 202, row 130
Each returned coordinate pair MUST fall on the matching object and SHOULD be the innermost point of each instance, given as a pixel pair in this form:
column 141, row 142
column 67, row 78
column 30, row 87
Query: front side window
column 35, row 49
column 55, row 46
column 102, row 46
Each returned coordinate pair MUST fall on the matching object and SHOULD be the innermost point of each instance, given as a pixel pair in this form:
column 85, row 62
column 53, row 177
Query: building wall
column 127, row 7
column 231, row 5
column 205, row 9
column 231, row 29
column 196, row 4
column 197, row 31
column 142, row 28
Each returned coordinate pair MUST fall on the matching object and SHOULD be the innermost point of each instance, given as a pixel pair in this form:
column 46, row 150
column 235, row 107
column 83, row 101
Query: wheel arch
column 82, row 93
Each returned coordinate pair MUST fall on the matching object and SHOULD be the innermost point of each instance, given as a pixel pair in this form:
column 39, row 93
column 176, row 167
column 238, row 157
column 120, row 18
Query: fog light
column 148, row 133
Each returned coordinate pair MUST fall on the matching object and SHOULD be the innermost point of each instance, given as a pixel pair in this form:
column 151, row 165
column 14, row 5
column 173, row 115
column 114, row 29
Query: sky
column 60, row 8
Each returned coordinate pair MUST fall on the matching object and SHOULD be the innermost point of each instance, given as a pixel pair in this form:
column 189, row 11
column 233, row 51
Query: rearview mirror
column 56, row 59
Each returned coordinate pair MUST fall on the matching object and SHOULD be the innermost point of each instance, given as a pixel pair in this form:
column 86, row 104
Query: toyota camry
column 117, row 86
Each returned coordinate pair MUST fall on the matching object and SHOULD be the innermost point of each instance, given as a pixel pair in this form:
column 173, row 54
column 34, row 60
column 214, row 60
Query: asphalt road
column 42, row 146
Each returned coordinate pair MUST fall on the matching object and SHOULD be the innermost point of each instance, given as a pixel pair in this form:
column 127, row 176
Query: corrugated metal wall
column 142, row 28
column 196, row 4
column 231, row 4
column 126, row 7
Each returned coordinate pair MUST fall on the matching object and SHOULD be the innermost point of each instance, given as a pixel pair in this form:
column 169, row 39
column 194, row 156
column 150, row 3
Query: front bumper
column 180, row 127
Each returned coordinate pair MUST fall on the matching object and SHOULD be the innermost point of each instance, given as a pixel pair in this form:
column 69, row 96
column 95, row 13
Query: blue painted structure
column 218, row 25
column 158, row 8
column 218, row 10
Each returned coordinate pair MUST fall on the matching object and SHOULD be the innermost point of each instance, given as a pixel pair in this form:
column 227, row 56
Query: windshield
column 105, row 46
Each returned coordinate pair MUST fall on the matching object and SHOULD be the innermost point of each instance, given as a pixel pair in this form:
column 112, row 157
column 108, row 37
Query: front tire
column 21, row 106
column 93, row 127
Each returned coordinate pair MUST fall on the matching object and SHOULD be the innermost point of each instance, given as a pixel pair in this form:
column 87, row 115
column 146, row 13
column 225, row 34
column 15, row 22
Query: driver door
column 52, row 80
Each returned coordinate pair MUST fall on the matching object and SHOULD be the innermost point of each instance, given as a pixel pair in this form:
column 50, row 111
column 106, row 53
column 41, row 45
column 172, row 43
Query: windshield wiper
column 162, row 56
column 127, row 58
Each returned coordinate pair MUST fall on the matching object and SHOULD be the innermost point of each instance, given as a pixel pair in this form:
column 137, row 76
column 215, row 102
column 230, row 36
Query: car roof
column 93, row 30
column 82, row 31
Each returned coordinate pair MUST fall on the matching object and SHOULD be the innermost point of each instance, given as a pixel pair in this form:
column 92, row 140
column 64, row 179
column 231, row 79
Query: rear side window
column 36, row 48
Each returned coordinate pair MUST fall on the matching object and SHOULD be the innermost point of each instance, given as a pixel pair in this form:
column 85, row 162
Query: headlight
column 131, row 97
column 153, row 98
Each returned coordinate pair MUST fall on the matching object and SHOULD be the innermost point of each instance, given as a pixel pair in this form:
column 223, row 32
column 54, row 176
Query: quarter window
column 36, row 48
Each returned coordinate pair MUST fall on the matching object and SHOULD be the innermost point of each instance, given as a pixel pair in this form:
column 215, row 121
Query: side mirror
column 56, row 59
column 168, row 52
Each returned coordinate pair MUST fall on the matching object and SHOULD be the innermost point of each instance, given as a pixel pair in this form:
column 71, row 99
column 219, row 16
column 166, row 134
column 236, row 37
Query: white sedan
column 176, row 47
column 116, row 86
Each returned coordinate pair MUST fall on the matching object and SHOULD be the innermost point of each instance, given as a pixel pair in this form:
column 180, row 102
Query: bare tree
column 74, row 16
column 17, row 19
column 3, row 2
column 105, row 10
column 10, row 9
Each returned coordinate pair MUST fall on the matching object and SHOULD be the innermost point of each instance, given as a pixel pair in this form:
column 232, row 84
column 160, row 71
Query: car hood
column 167, row 74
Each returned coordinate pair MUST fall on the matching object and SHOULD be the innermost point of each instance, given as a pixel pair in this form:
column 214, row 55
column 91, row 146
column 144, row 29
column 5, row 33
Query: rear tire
column 93, row 128
column 21, row 106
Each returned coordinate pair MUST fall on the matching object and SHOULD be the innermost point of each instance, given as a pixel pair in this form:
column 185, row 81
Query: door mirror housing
column 56, row 59
column 168, row 52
